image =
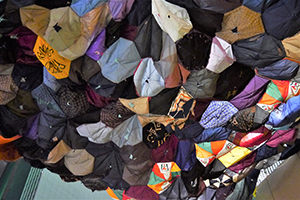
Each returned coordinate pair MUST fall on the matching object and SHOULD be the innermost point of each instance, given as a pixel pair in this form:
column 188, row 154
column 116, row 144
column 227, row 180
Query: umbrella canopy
column 148, row 40
column 282, row 136
column 171, row 18
column 56, row 65
column 221, row 55
column 119, row 8
column 210, row 22
column 186, row 155
column 58, row 152
column 217, row 114
column 81, row 7
column 206, row 152
column 120, row 60
column 9, row 16
column 26, row 40
column 37, row 24
column 176, row 191
column 147, row 80
column 251, row 94
column 193, row 50
column 97, row 47
column 240, row 23
column 79, row 162
column 167, row 151
column 141, row 9
column 201, row 84
column 8, row 89
column 291, row 46
column 101, row 85
column 281, row 70
column 256, row 137
column 281, row 19
column 163, row 175
column 258, row 51
column 258, row 5
column 142, row 192
column 235, row 155
column 219, row 6
column 138, row 105
column 154, row 135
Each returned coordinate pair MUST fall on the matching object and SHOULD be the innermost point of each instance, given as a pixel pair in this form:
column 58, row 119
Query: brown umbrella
column 292, row 47
column 240, row 23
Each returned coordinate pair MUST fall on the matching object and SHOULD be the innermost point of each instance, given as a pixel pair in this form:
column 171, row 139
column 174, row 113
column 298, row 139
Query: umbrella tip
column 56, row 27
column 234, row 30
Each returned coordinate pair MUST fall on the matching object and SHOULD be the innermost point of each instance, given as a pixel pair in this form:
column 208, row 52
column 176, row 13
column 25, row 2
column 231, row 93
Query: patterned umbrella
column 163, row 175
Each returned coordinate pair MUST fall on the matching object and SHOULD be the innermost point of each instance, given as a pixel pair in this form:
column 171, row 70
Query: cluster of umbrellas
column 151, row 99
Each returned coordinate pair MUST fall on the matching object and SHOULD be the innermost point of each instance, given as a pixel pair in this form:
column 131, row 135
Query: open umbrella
column 206, row 152
column 102, row 85
column 281, row 19
column 251, row 94
column 240, row 23
column 220, row 6
column 201, row 84
column 163, row 175
column 177, row 190
column 56, row 65
column 221, row 55
column 291, row 47
column 193, row 50
column 119, row 8
column 147, row 80
column 9, row 16
column 171, row 18
column 120, row 60
column 258, row 51
column 37, row 24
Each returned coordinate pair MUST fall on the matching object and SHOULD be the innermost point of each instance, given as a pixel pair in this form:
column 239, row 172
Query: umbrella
column 147, row 80
column 219, row 6
column 140, row 10
column 58, row 152
column 25, row 39
column 163, row 175
column 234, row 155
column 251, row 94
column 79, row 162
column 27, row 77
column 95, row 132
column 217, row 114
column 81, row 7
column 281, row 70
column 171, row 18
column 49, row 80
column 97, row 47
column 258, row 51
column 240, row 23
column 167, row 151
column 177, row 190
column 285, row 113
column 101, row 85
column 221, row 55
column 282, row 136
column 281, row 19
column 56, row 65
column 206, row 152
column 138, row 105
column 193, row 50
column 148, row 40
column 258, row 5
column 206, row 21
column 142, row 192
column 119, row 61
column 227, row 86
column 201, row 84
column 291, row 47
column 9, row 16
column 256, row 137
column 36, row 24
column 186, row 155
column 119, row 8
column 154, row 135
column 8, row 89
column 95, row 99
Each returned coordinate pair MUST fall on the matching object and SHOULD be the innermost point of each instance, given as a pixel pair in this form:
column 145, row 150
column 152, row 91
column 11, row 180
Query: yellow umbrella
column 57, row 65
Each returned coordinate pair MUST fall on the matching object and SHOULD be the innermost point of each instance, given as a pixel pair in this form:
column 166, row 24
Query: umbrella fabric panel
column 120, row 8
column 142, row 192
column 239, row 24
column 291, row 46
column 82, row 7
column 8, row 89
column 185, row 156
column 176, row 191
column 101, row 85
column 218, row 6
column 281, row 19
column 57, row 65
column 97, row 47
column 166, row 152
column 9, row 16
column 171, row 18
column 119, row 61
column 251, row 94
column 193, row 50
column 221, row 55
column 147, row 80
column 138, row 105
column 140, row 10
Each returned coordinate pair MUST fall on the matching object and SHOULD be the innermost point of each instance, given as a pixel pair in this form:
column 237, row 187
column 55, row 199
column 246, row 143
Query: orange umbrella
column 56, row 65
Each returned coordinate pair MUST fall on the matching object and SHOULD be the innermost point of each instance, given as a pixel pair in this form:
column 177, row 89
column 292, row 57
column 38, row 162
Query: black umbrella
column 176, row 191
column 258, row 51
column 219, row 6
column 9, row 16
column 102, row 85
column 282, row 19
column 140, row 10
column 148, row 40
column 206, row 21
